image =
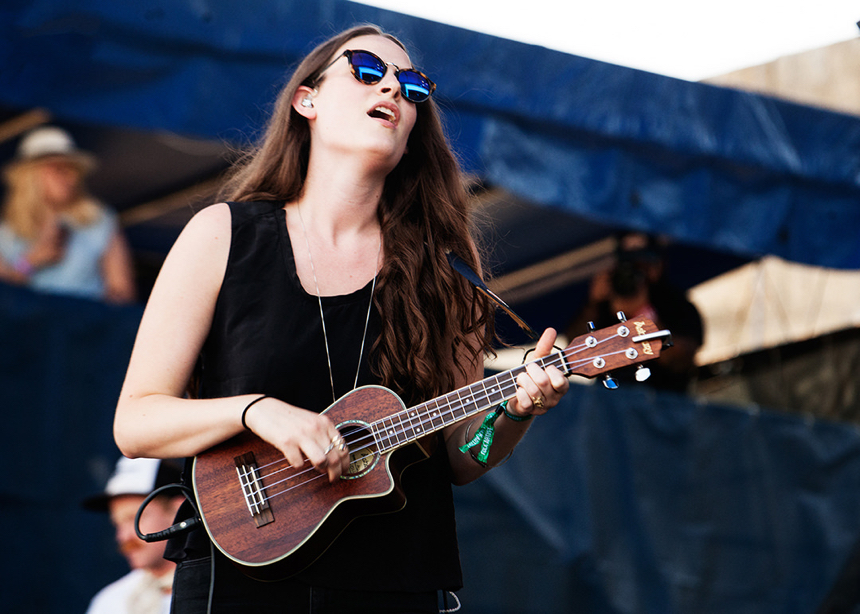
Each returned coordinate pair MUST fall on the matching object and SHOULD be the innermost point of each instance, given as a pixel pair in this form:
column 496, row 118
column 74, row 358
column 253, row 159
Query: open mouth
column 385, row 113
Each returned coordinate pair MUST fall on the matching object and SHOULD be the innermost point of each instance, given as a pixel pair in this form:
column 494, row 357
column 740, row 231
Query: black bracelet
column 248, row 406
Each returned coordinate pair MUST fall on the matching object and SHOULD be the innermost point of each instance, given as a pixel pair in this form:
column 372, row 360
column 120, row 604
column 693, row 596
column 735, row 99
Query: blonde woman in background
column 54, row 236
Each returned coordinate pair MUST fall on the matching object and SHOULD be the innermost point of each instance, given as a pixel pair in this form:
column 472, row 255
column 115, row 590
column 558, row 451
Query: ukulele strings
column 558, row 360
column 553, row 360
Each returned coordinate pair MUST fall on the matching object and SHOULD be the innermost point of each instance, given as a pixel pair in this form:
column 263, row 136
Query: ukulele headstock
column 630, row 342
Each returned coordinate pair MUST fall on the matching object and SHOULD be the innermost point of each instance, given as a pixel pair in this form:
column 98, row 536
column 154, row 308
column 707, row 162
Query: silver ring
column 338, row 441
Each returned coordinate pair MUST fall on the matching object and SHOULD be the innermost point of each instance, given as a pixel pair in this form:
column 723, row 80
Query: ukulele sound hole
column 363, row 453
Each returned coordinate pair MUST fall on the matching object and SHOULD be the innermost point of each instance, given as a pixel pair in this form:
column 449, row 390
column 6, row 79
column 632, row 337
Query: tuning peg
column 642, row 373
column 590, row 326
column 621, row 317
column 610, row 382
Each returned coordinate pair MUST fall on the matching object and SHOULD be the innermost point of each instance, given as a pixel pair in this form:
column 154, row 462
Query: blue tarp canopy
column 605, row 146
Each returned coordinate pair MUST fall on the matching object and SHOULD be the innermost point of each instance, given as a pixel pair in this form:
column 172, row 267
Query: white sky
column 688, row 39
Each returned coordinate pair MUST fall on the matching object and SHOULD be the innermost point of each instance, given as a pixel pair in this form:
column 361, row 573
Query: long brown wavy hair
column 435, row 325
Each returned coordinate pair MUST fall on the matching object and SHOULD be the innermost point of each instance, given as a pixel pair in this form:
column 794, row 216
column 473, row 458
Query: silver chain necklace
column 322, row 315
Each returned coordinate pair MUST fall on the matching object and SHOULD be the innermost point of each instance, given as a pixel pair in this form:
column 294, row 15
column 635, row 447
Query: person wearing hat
column 54, row 236
column 636, row 285
column 146, row 589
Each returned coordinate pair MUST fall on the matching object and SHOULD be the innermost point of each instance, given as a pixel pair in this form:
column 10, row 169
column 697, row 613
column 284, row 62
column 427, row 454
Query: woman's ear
column 303, row 101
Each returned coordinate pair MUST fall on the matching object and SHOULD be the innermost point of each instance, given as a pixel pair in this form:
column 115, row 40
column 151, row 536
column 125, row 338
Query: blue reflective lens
column 367, row 68
column 413, row 86
column 370, row 69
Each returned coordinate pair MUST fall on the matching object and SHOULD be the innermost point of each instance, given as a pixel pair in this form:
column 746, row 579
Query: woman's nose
column 390, row 83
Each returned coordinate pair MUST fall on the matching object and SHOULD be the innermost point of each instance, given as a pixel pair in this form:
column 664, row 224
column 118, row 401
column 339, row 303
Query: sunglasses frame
column 397, row 72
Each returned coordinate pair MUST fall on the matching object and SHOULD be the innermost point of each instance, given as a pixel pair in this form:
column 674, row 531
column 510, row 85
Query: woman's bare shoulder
column 200, row 252
column 212, row 218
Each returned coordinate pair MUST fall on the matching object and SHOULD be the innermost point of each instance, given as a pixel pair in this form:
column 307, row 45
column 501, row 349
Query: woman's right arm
column 152, row 417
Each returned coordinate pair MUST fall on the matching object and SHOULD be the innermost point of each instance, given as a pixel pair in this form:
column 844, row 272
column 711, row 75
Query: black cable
column 179, row 527
column 211, row 577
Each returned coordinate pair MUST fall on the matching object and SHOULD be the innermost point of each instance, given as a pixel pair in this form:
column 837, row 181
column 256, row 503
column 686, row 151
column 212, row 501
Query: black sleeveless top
column 266, row 337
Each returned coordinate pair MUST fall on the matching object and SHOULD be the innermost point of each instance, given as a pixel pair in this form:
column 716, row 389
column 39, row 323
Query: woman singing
column 325, row 269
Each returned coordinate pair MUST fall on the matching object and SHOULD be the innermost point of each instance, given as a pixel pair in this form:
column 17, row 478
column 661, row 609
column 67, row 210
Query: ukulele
column 273, row 520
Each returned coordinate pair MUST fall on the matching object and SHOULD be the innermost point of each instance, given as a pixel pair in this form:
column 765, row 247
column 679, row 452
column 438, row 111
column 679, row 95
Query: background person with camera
column 636, row 285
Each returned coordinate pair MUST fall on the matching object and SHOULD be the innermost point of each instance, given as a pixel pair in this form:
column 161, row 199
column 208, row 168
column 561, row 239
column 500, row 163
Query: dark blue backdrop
column 626, row 502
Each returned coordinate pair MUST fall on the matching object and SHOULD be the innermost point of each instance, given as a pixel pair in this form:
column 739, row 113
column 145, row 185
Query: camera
column 628, row 277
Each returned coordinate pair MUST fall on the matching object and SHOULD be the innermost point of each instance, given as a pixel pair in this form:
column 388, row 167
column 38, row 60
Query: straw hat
column 51, row 141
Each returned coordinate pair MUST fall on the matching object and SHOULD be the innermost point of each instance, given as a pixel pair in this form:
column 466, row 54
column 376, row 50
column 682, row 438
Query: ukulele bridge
column 253, row 489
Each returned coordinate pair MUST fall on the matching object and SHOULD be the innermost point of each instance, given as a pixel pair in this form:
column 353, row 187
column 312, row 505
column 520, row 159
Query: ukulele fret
column 510, row 387
column 494, row 395
column 433, row 415
column 390, row 433
column 417, row 426
column 410, row 425
column 460, row 409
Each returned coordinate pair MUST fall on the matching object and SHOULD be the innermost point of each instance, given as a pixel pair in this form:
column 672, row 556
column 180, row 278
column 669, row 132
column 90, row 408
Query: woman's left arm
column 538, row 390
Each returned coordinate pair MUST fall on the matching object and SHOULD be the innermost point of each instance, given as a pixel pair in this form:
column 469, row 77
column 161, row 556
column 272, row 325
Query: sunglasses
column 370, row 69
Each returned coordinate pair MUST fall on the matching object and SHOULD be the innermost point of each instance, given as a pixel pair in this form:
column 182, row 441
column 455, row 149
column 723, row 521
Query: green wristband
column 514, row 417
